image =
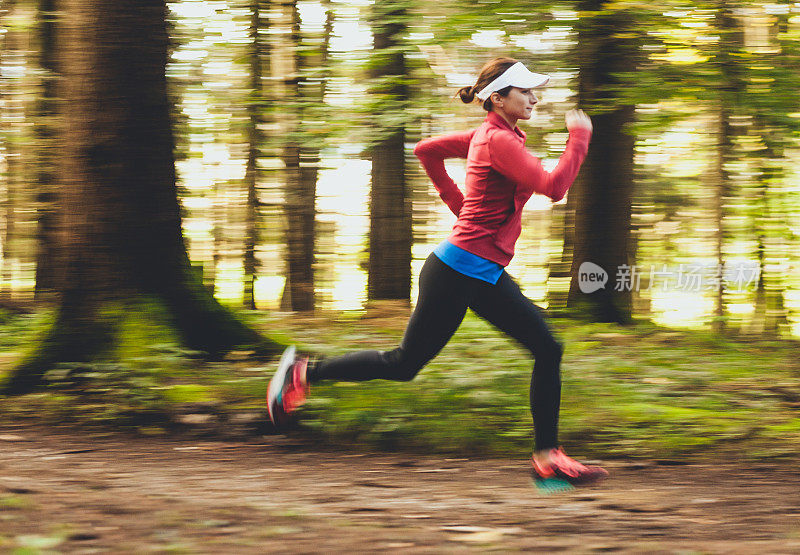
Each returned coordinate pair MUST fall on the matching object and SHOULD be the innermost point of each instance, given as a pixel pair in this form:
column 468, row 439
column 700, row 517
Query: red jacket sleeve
column 512, row 159
column 432, row 154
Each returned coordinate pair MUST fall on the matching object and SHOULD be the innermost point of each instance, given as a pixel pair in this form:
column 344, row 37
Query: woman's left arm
column 433, row 152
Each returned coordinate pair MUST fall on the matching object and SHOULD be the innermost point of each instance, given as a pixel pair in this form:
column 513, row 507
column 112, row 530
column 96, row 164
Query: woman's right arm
column 433, row 152
column 512, row 159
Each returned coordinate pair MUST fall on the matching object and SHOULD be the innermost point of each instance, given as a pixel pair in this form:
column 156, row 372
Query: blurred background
column 294, row 124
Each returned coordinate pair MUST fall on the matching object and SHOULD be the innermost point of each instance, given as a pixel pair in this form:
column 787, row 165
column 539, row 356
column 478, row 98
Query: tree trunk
column 45, row 282
column 562, row 224
column 300, row 185
column 13, row 113
column 721, row 181
column 730, row 88
column 390, row 232
column 254, row 141
column 604, row 188
column 768, row 216
column 299, row 204
column 770, row 313
column 121, row 245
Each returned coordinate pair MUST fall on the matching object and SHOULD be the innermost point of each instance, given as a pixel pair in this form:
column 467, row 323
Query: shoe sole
column 572, row 481
column 585, row 481
column 278, row 378
column 549, row 486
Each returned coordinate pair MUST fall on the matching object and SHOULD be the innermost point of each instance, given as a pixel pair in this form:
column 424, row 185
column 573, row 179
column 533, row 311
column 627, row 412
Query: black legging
column 444, row 296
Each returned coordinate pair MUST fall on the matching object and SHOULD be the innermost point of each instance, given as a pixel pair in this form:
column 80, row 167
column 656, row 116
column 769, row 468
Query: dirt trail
column 65, row 492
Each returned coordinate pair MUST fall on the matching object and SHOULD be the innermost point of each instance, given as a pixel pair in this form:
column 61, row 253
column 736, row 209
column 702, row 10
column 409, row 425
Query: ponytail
column 467, row 94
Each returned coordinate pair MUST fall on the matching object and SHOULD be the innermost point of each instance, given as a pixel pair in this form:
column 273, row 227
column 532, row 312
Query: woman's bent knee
column 399, row 368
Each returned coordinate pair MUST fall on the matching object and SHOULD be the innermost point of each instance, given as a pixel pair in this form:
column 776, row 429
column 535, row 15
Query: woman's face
column 518, row 104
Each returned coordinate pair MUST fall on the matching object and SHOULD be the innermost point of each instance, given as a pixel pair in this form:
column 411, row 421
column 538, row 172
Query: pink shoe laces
column 567, row 465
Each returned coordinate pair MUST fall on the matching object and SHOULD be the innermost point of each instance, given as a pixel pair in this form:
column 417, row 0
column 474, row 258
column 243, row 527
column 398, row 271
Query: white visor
column 515, row 76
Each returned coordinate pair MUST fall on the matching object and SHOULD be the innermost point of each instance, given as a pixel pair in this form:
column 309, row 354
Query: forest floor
column 69, row 491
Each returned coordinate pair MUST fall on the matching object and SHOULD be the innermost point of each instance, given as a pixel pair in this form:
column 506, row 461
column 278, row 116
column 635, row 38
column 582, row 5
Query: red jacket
column 501, row 177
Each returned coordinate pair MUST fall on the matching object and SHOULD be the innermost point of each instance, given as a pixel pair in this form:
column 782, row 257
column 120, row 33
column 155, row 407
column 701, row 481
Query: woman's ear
column 497, row 100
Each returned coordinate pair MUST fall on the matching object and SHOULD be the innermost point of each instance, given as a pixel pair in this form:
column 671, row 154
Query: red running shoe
column 565, row 468
column 287, row 389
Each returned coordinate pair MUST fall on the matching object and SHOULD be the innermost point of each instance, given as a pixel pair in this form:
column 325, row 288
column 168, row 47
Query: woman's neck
column 512, row 121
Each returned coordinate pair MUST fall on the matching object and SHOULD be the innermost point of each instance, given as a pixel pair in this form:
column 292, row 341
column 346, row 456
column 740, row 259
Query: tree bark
column 300, row 184
column 13, row 113
column 121, row 245
column 770, row 313
column 45, row 282
column 390, row 233
column 254, row 142
column 730, row 86
column 721, row 180
column 768, row 218
column 558, row 279
column 604, row 188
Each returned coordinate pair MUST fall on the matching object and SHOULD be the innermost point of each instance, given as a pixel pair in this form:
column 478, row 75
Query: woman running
column 467, row 269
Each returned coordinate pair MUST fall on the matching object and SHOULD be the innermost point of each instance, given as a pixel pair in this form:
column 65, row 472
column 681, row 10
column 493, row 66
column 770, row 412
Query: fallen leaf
column 481, row 534
column 458, row 528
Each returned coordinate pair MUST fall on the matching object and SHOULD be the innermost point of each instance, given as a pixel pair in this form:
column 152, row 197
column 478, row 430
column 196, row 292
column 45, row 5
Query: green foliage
column 146, row 325
column 627, row 392
column 148, row 379
column 640, row 391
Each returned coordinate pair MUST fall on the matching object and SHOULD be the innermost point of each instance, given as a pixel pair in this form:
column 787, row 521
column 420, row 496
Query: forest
column 189, row 187
column 214, row 175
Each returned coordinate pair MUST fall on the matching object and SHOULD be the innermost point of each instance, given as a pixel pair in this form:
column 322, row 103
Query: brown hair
column 489, row 72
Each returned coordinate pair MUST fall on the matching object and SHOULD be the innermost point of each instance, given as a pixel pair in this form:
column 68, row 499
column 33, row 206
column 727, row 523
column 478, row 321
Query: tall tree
column 121, row 245
column 254, row 141
column 13, row 61
column 300, row 187
column 305, row 119
column 603, row 192
column 390, row 231
column 729, row 90
column 45, row 134
column 770, row 311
